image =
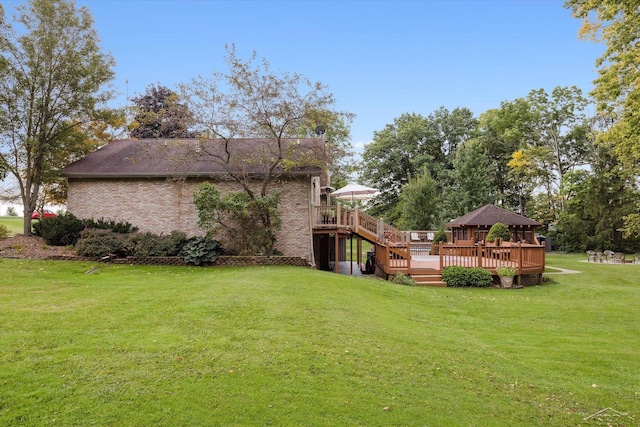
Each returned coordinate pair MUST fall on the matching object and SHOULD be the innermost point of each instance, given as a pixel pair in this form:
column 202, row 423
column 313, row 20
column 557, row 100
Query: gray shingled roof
column 489, row 215
column 130, row 158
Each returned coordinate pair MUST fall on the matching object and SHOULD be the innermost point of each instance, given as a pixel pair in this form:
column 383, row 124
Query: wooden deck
column 413, row 253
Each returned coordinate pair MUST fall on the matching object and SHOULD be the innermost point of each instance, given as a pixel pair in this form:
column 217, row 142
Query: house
column 474, row 226
column 150, row 183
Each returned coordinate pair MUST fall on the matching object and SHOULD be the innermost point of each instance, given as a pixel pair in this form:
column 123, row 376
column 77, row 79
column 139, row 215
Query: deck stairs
column 395, row 241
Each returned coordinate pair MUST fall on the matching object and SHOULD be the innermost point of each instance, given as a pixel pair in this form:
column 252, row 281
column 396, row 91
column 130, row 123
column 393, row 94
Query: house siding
column 161, row 206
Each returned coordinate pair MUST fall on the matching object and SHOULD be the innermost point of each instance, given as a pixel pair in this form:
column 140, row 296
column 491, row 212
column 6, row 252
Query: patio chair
column 618, row 257
column 608, row 256
column 598, row 256
column 591, row 256
column 636, row 258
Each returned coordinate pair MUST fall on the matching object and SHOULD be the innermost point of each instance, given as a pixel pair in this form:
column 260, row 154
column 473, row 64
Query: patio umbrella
column 355, row 192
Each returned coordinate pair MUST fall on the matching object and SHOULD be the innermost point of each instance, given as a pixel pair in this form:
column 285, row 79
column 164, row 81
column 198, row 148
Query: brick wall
column 161, row 206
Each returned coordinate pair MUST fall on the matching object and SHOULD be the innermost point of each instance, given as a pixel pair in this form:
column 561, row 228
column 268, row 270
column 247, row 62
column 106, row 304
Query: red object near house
column 46, row 213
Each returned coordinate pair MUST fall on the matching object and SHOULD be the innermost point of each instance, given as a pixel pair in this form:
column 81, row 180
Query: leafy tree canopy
column 159, row 113
column 52, row 80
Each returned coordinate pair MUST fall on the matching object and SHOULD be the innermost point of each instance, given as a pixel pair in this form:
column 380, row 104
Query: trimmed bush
column 104, row 224
column 456, row 276
column 498, row 231
column 200, row 250
column 149, row 244
column 62, row 230
column 97, row 243
column 440, row 236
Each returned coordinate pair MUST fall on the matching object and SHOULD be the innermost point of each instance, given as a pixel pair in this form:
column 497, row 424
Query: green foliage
column 200, row 250
column 472, row 177
column 617, row 93
column 238, row 220
column 150, row 244
column 403, row 279
column 570, row 234
column 4, row 231
column 403, row 149
column 440, row 237
column 62, row 230
column 498, row 231
column 506, row 271
column 100, row 243
column 419, row 203
column 457, row 276
column 122, row 227
column 53, row 78
column 11, row 211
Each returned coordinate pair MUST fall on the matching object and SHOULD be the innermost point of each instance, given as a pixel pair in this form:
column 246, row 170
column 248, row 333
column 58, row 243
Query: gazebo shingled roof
column 489, row 215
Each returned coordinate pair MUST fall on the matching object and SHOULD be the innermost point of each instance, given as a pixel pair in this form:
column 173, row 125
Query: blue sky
column 379, row 58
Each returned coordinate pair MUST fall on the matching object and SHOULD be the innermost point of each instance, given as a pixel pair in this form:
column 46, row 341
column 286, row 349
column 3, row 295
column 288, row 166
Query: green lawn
column 15, row 224
column 286, row 346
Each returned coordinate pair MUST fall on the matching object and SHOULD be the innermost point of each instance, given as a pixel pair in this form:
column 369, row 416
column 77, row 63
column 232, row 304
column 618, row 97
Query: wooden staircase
column 429, row 280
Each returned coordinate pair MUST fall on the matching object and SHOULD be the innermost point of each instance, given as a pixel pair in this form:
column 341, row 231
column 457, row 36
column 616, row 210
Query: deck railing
column 394, row 248
column 523, row 257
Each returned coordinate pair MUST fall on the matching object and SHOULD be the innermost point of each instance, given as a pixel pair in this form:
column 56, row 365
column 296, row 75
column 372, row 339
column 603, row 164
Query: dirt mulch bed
column 31, row 247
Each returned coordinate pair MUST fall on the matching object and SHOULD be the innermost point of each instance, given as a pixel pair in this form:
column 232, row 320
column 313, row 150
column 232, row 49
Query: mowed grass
column 15, row 224
column 286, row 346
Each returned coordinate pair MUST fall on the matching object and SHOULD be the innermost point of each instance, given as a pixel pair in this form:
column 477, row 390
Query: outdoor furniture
column 591, row 256
column 636, row 258
column 608, row 256
column 618, row 258
column 598, row 256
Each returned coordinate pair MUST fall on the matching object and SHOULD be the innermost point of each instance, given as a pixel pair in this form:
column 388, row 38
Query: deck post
column 338, row 218
column 440, row 251
column 480, row 254
column 519, row 258
column 336, row 248
column 408, row 242
column 356, row 220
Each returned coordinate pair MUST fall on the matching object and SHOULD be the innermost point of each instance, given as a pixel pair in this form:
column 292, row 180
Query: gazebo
column 474, row 226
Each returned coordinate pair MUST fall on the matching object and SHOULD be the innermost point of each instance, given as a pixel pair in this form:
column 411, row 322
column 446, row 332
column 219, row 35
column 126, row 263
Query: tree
column 472, row 178
column 504, row 131
column 392, row 158
column 617, row 88
column 160, row 114
column 51, row 81
column 560, row 124
column 420, row 204
column 401, row 150
column 250, row 101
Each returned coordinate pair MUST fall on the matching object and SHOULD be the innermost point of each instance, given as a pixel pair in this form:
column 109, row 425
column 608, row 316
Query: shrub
column 104, row 224
column 199, row 250
column 245, row 224
column 440, row 236
column 62, row 230
column 402, row 279
column 457, row 276
column 4, row 231
column 149, row 244
column 11, row 211
column 100, row 243
column 498, row 231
